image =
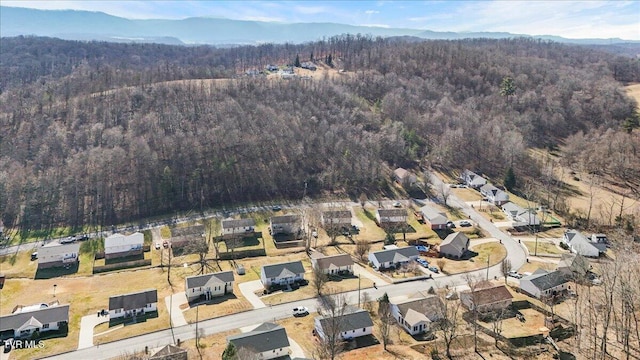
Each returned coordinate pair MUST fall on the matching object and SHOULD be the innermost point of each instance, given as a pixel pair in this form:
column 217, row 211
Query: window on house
column 353, row 331
column 45, row 326
column 118, row 311
column 364, row 329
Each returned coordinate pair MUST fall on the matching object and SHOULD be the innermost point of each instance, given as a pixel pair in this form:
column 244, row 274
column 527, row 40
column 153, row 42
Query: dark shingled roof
column 396, row 255
column 265, row 337
column 392, row 212
column 187, row 230
column 44, row 316
column 339, row 260
column 200, row 280
column 288, row 269
column 285, row 219
column 133, row 300
column 546, row 281
column 236, row 223
column 336, row 214
column 358, row 319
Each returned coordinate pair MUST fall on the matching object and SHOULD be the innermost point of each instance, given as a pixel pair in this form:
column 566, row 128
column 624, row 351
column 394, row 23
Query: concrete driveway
column 248, row 290
column 359, row 270
column 87, row 323
column 173, row 306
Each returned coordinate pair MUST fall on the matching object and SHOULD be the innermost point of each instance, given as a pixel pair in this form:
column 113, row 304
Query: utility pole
column 358, row 291
column 488, row 257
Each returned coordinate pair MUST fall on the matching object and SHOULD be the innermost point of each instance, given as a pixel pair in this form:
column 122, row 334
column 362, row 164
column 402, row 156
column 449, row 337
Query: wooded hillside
column 93, row 133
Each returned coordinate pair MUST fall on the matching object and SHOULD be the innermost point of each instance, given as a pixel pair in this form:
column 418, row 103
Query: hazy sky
column 571, row 19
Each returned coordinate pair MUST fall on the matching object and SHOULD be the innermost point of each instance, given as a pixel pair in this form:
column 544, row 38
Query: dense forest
column 101, row 133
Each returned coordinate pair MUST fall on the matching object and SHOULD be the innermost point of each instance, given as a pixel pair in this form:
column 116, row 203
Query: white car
column 300, row 311
column 514, row 274
column 397, row 204
column 158, row 245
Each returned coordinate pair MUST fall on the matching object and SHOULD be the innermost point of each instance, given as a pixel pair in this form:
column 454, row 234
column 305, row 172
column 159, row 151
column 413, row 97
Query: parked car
column 514, row 274
column 300, row 311
column 423, row 262
column 276, row 208
column 451, row 225
column 34, row 255
column 165, row 244
column 397, row 204
column 68, row 240
column 452, row 295
column 433, row 269
column 465, row 223
column 157, row 246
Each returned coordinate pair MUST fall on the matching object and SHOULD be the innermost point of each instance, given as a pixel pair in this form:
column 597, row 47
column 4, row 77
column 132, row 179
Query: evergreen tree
column 510, row 179
column 507, row 87
column 230, row 353
column 330, row 60
column 297, row 62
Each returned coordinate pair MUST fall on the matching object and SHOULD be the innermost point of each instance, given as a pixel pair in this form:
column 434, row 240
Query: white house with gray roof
column 267, row 341
column 282, row 274
column 393, row 257
column 472, row 179
column 56, row 254
column 209, row 285
column 437, row 219
column 133, row 304
column 238, row 227
column 119, row 245
column 494, row 195
column 336, row 219
column 352, row 324
column 22, row 324
column 544, row 284
column 418, row 313
column 454, row 245
column 285, row 224
column 333, row 264
column 581, row 245
column 520, row 216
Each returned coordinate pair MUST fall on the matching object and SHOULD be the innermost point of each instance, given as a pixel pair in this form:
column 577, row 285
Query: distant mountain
column 87, row 25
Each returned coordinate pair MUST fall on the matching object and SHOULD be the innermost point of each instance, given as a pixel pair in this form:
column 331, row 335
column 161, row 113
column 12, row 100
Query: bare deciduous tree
column 386, row 320
column 449, row 325
column 319, row 279
column 505, row 268
column 333, row 307
column 362, row 248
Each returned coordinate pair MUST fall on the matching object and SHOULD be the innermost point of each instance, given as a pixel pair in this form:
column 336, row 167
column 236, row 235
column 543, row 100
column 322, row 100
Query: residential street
column 263, row 314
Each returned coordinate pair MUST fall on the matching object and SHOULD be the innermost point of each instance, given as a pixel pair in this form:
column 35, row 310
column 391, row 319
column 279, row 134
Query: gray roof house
column 267, row 341
column 333, row 264
column 282, row 273
column 454, row 245
column 417, row 314
column 332, row 219
column 580, row 244
column 132, row 304
column 544, row 284
column 393, row 257
column 209, row 285
column 353, row 323
column 574, row 265
column 285, row 224
column 22, row 324
column 437, row 219
column 520, row 216
column 494, row 195
column 404, row 177
column 472, row 179
column 238, row 227
column 391, row 217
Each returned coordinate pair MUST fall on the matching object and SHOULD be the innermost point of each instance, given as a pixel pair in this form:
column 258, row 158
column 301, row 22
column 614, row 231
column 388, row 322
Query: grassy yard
column 544, row 247
column 466, row 194
column 219, row 307
column 370, row 231
column 493, row 251
column 18, row 265
column 532, row 266
column 513, row 328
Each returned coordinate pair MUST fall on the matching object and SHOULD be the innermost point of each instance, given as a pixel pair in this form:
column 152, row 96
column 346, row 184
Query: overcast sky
column 570, row 19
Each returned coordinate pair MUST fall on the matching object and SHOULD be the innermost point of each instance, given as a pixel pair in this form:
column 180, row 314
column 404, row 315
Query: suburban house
column 30, row 319
column 336, row 219
column 418, row 313
column 404, row 177
column 520, row 216
column 544, row 284
column 437, row 220
column 494, row 195
column 56, row 254
column 183, row 236
column 393, row 258
column 581, row 245
column 334, row 264
column 472, row 179
column 118, row 245
column 391, row 217
column 238, row 227
column 209, row 285
column 286, row 224
column 267, row 341
column 574, row 266
column 133, row 304
column 272, row 68
column 170, row 352
column 455, row 245
column 282, row 274
column 352, row 324
column 487, row 297
column 599, row 239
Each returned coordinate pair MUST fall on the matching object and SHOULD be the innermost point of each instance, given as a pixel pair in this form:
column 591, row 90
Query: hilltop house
column 487, row 297
column 209, row 285
column 56, row 254
column 472, row 179
column 393, row 258
column 238, row 227
column 286, row 224
column 404, row 177
column 118, row 245
column 581, row 245
column 455, row 245
column 417, row 314
column 494, row 195
column 437, row 220
column 520, row 216
column 30, row 319
column 335, row 220
column 133, row 304
column 335, row 264
column 544, row 284
column 352, row 324
column 391, row 218
column 267, row 341
column 282, row 273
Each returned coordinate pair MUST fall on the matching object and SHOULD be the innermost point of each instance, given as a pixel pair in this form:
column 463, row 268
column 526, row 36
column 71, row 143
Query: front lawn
column 544, row 247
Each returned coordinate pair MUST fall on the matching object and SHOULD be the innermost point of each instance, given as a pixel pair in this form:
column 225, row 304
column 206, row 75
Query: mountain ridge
column 94, row 25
